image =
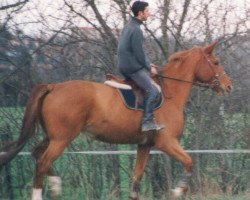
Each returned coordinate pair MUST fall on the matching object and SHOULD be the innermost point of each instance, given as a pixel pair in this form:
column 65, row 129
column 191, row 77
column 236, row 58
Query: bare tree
column 13, row 5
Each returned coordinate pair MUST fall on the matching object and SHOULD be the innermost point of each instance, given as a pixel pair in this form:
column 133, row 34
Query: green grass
column 220, row 197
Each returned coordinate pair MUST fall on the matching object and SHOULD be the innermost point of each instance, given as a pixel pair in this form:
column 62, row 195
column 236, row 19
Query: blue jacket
column 131, row 54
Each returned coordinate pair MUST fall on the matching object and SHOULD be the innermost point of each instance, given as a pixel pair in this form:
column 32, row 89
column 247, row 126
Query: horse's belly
column 114, row 125
column 116, row 136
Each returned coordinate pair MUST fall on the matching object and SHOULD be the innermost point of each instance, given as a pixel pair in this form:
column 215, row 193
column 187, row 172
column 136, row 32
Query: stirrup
column 149, row 126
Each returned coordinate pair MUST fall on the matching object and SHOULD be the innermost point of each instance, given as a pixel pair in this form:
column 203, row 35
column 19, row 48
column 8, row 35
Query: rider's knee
column 153, row 93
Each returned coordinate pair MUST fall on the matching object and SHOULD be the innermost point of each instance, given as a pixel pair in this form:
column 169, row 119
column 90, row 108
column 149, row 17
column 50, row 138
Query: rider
column 133, row 63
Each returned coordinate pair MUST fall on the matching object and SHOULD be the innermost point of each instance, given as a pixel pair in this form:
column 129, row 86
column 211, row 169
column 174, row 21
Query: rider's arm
column 138, row 49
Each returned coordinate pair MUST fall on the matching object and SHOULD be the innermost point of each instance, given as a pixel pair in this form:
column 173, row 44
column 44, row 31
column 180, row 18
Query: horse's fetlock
column 55, row 184
column 177, row 192
column 133, row 196
column 37, row 194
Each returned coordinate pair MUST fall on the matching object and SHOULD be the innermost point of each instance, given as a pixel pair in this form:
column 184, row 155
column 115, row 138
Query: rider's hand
column 153, row 69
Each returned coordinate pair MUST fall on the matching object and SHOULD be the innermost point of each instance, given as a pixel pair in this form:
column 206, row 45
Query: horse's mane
column 179, row 56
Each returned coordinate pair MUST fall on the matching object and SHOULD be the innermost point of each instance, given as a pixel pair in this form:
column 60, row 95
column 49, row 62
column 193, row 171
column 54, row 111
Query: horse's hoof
column 55, row 184
column 134, row 196
column 37, row 194
column 177, row 192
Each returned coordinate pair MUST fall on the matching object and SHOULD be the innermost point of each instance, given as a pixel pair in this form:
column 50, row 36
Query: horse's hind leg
column 141, row 161
column 54, row 181
column 43, row 166
column 36, row 153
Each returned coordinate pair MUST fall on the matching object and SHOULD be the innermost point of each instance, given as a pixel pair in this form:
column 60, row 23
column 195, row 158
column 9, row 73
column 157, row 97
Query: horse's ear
column 209, row 49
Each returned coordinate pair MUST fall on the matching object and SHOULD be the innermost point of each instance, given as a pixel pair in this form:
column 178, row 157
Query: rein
column 197, row 83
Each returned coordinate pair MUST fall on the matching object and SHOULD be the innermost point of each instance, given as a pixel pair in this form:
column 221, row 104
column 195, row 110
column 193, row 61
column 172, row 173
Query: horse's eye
column 216, row 63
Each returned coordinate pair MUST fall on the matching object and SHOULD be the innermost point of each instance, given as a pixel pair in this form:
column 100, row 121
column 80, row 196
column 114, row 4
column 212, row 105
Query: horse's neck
column 178, row 91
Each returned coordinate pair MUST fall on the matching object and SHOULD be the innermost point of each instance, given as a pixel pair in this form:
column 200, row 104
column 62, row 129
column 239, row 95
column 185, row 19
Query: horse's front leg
column 172, row 147
column 141, row 161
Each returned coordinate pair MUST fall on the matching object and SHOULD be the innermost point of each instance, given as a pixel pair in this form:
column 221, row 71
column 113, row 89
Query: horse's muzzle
column 223, row 90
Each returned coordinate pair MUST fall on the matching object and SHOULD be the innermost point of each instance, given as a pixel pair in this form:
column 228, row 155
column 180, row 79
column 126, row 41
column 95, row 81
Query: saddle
column 130, row 85
column 132, row 95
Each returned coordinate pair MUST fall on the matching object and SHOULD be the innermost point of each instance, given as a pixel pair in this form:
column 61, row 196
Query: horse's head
column 211, row 72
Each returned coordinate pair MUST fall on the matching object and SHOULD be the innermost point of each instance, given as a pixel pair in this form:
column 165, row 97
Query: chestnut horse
column 66, row 109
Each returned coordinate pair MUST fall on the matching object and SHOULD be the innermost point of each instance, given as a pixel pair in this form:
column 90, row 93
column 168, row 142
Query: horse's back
column 75, row 91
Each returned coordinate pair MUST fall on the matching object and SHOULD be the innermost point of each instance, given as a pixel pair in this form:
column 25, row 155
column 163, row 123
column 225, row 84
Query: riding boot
column 148, row 123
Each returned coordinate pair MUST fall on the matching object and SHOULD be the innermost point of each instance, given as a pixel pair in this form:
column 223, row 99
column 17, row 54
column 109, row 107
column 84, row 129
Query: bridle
column 216, row 81
column 213, row 84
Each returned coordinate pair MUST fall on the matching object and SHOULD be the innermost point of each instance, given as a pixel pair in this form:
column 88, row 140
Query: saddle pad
column 128, row 99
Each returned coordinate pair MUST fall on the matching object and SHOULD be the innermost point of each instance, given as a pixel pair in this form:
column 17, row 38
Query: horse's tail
column 33, row 109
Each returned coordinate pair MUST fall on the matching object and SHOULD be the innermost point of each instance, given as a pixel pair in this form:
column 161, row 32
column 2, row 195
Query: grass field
column 219, row 197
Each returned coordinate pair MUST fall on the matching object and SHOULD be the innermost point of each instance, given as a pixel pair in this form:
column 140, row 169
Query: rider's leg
column 143, row 80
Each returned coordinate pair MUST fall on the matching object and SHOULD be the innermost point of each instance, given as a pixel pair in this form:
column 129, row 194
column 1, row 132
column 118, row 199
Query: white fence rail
column 130, row 152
